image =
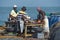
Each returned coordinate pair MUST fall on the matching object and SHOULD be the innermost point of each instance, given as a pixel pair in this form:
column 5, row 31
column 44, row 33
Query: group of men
column 21, row 16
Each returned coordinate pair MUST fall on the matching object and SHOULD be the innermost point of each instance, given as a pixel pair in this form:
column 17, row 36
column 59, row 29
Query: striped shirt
column 19, row 16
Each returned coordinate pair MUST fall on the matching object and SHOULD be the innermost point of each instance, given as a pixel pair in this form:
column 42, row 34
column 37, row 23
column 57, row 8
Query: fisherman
column 44, row 20
column 13, row 13
column 22, row 17
column 40, row 16
column 12, row 17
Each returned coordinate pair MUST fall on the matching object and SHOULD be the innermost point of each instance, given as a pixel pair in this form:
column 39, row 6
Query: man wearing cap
column 13, row 13
column 21, row 17
column 12, row 17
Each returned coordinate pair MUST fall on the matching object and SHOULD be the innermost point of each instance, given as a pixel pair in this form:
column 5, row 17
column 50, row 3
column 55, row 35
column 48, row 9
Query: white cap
column 15, row 5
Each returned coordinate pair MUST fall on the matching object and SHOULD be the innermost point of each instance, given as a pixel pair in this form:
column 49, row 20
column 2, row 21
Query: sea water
column 31, row 11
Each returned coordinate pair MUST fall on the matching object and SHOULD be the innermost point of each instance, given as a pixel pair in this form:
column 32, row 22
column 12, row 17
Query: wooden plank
column 34, row 25
column 28, row 34
column 31, row 25
column 10, row 37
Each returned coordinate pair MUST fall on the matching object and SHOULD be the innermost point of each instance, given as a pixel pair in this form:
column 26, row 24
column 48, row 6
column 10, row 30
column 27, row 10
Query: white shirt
column 46, row 26
column 13, row 13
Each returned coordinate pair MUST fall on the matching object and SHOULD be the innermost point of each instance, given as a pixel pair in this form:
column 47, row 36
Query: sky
column 30, row 3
